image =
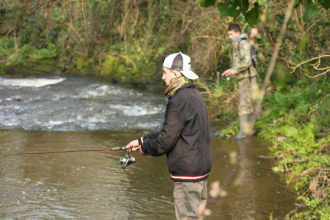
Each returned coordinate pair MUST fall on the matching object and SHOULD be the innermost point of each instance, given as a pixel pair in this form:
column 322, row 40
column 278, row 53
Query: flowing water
column 38, row 115
column 77, row 104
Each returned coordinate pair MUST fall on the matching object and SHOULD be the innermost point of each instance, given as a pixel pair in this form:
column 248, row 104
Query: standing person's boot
column 243, row 127
column 251, row 130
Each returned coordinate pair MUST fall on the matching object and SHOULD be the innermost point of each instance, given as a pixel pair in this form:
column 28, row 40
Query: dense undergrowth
column 124, row 41
column 301, row 114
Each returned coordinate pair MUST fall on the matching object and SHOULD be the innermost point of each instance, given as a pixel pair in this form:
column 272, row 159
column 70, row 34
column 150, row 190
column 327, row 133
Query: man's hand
column 229, row 72
column 134, row 146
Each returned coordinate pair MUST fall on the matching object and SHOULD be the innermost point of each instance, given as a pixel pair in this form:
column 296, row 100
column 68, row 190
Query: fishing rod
column 127, row 159
column 67, row 151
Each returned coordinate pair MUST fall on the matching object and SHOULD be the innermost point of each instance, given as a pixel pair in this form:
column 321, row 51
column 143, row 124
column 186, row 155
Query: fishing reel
column 127, row 160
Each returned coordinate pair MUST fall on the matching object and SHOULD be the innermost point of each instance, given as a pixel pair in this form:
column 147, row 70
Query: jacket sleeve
column 152, row 136
column 148, row 136
column 169, row 134
column 244, row 57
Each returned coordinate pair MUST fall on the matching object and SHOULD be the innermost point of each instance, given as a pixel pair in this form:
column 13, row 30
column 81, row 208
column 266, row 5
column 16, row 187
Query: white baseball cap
column 180, row 62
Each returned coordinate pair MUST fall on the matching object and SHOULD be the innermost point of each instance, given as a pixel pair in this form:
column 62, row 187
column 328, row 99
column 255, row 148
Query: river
column 59, row 114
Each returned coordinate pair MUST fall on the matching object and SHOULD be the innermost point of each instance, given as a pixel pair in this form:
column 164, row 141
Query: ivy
column 311, row 11
column 253, row 16
column 227, row 10
column 325, row 4
column 206, row 3
column 233, row 8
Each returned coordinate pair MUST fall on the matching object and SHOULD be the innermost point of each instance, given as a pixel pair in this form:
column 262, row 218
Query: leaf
column 311, row 11
column 298, row 2
column 253, row 16
column 244, row 6
column 325, row 4
column 227, row 10
column 262, row 1
column 206, row 3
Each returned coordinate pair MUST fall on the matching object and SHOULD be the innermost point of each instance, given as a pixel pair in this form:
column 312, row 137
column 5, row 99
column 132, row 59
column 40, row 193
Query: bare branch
column 272, row 64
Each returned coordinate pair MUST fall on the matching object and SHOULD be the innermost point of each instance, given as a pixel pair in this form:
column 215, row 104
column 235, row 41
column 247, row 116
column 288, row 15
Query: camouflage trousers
column 248, row 94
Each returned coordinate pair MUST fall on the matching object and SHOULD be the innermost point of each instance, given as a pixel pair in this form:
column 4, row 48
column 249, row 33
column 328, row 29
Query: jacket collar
column 188, row 85
column 237, row 38
column 240, row 38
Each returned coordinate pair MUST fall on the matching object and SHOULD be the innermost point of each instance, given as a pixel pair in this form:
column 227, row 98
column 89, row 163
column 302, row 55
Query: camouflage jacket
column 242, row 58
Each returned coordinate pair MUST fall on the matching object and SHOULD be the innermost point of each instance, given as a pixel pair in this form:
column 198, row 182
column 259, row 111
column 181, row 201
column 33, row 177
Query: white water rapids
column 77, row 104
column 29, row 82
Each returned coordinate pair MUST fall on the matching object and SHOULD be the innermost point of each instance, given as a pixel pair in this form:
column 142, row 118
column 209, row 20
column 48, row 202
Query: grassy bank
column 122, row 41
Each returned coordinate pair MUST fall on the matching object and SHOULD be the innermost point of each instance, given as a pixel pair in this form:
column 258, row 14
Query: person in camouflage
column 246, row 76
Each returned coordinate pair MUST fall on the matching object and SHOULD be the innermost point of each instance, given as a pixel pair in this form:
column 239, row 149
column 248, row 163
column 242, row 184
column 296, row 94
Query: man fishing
column 184, row 137
column 246, row 75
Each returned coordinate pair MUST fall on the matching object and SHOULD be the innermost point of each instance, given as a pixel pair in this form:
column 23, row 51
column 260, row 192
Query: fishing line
column 67, row 151
column 127, row 160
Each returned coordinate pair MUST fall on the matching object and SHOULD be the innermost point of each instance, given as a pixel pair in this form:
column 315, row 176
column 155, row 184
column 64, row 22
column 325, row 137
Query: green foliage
column 206, row 3
column 233, row 8
column 132, row 69
column 81, row 35
column 311, row 11
column 231, row 130
column 217, row 93
column 325, row 4
column 317, row 209
column 227, row 10
column 293, row 114
column 83, row 65
column 244, row 6
column 220, row 95
column 114, row 68
column 44, row 53
column 271, row 216
column 27, row 53
column 7, row 47
column 253, row 16
column 303, row 44
column 92, row 30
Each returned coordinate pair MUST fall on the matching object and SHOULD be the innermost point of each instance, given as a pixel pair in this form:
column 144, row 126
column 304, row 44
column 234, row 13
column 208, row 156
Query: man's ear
column 177, row 73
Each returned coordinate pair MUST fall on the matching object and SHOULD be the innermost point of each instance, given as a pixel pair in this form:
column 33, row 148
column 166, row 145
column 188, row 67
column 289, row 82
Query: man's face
column 233, row 35
column 168, row 74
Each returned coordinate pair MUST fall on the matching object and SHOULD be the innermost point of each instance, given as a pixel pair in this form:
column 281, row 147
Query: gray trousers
column 187, row 197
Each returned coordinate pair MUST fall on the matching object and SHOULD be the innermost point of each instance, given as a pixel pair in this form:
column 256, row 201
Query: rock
column 281, row 138
column 216, row 134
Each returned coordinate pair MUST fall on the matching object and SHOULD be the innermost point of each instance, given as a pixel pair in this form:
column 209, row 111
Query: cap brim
column 189, row 74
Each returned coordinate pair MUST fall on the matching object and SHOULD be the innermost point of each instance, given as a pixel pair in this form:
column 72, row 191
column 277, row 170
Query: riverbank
column 296, row 120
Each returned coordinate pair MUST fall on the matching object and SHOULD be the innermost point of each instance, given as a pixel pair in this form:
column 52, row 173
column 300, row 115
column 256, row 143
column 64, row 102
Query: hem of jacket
column 246, row 77
column 177, row 178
